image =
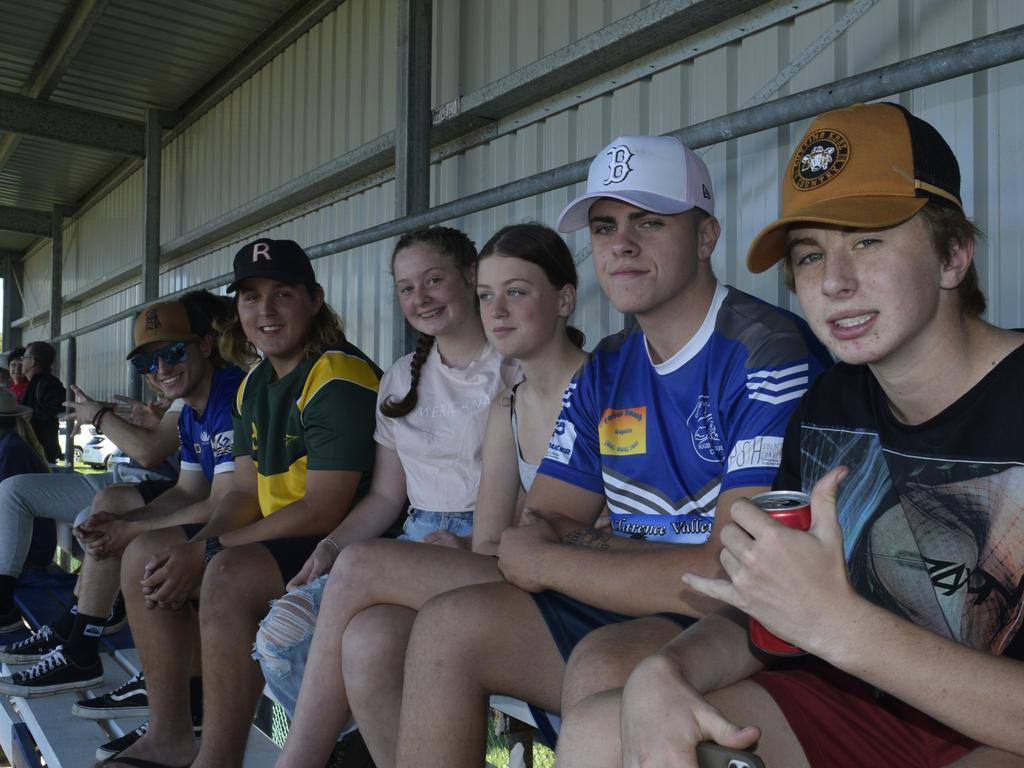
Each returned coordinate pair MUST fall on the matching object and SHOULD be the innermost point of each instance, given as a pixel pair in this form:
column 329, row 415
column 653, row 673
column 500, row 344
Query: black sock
column 83, row 644
column 7, row 593
column 63, row 625
column 195, row 698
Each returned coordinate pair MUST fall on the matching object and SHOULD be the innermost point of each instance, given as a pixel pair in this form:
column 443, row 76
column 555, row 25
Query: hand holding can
column 792, row 509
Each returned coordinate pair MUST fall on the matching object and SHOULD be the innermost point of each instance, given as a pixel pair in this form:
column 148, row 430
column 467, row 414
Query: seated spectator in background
column 44, row 395
column 667, row 424
column 906, row 591
column 303, row 432
column 147, row 434
column 177, row 352
column 20, row 452
column 15, row 364
column 526, row 284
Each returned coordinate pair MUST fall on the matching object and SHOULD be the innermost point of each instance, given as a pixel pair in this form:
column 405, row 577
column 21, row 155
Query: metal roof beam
column 71, row 35
column 25, row 220
column 71, row 125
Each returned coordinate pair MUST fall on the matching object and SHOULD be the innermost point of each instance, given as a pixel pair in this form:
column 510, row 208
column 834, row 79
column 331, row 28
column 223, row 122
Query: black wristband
column 213, row 546
column 98, row 418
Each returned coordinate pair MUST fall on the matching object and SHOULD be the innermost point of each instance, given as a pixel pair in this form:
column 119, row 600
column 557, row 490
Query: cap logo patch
column 821, row 158
column 152, row 320
column 618, row 168
column 260, row 251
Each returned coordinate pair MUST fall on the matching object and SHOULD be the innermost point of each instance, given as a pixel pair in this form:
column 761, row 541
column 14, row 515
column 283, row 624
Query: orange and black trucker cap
column 867, row 166
column 163, row 321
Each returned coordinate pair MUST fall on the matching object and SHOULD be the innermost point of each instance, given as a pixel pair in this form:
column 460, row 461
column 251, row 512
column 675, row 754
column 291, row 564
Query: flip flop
column 138, row 762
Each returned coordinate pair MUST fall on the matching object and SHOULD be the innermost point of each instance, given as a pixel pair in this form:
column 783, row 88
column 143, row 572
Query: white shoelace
column 48, row 663
column 42, row 634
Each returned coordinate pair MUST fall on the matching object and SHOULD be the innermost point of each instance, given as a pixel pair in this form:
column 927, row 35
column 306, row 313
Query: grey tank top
column 527, row 471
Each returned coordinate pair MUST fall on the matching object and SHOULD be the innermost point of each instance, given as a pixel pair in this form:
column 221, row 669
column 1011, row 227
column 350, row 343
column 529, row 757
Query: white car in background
column 91, row 446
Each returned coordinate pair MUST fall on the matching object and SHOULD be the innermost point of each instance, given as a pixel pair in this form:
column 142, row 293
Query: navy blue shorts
column 569, row 621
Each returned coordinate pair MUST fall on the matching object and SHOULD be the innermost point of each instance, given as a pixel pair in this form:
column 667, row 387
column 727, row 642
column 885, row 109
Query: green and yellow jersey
column 320, row 416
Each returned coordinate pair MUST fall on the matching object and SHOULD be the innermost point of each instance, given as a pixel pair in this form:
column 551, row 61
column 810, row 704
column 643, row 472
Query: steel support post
column 151, row 255
column 56, row 269
column 412, row 130
column 69, row 373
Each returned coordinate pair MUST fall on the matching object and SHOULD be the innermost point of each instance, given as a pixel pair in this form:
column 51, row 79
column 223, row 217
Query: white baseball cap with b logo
column 656, row 173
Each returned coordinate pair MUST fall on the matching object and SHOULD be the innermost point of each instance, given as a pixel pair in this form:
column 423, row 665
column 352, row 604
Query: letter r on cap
column 260, row 251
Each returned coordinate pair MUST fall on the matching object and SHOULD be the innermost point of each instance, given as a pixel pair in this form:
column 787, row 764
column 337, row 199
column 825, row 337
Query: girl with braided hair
column 526, row 286
column 433, row 406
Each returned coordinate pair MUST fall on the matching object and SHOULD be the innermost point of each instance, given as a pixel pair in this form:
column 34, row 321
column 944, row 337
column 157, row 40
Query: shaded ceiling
column 118, row 58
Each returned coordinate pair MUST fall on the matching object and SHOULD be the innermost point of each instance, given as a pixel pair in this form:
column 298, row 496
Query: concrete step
column 66, row 741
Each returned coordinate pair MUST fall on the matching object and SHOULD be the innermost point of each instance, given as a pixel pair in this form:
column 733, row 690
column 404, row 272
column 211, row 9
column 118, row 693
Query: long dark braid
column 398, row 408
column 457, row 246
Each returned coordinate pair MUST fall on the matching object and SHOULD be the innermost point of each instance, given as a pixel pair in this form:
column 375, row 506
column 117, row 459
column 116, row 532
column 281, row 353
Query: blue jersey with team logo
column 661, row 442
column 207, row 440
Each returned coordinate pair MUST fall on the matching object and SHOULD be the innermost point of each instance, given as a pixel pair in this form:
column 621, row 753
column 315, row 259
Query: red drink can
column 792, row 509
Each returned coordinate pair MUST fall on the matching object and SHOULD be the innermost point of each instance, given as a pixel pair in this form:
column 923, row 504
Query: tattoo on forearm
column 587, row 537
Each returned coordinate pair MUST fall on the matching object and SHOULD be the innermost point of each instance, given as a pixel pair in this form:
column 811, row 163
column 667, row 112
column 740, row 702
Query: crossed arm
column 559, row 549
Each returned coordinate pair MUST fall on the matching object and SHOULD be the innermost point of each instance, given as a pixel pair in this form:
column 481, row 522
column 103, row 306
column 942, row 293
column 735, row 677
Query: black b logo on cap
column 152, row 320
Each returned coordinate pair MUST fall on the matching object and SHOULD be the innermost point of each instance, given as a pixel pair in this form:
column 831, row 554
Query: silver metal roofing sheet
column 25, row 30
column 154, row 53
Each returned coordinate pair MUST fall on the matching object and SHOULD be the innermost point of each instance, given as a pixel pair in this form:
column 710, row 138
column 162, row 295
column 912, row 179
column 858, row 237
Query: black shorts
column 289, row 554
column 150, row 489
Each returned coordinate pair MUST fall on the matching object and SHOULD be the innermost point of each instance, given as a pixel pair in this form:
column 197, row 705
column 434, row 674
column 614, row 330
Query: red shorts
column 841, row 723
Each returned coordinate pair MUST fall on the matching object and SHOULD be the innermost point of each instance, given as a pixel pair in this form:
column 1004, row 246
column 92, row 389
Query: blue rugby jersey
column 207, row 441
column 661, row 442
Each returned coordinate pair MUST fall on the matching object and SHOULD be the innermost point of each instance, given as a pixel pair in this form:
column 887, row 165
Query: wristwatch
column 213, row 546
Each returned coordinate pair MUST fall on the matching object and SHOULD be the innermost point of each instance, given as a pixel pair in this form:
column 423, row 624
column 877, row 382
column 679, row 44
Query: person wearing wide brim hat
column 9, row 405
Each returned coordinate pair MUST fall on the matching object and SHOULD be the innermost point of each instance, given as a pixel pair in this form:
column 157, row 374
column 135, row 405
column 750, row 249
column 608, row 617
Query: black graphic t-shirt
column 932, row 514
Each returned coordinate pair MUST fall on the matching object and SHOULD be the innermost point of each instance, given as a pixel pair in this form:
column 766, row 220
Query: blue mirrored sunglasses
column 172, row 354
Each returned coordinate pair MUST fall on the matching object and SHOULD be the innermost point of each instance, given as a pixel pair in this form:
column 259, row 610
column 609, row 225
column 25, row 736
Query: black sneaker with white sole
column 127, row 700
column 33, row 648
column 121, row 743
column 117, row 617
column 53, row 673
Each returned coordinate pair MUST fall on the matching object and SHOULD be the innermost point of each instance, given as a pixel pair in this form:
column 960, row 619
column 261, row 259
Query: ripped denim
column 286, row 632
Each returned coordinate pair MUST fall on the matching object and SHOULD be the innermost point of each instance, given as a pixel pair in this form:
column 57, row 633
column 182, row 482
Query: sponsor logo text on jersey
column 623, row 431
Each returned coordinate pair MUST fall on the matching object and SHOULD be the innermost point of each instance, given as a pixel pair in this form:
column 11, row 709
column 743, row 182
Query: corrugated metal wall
column 333, row 90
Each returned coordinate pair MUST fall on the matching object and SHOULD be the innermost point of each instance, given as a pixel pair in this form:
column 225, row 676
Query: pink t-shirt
column 440, row 441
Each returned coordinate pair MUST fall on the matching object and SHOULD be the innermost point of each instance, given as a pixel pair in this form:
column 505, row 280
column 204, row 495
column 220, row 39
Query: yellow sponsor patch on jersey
column 623, row 431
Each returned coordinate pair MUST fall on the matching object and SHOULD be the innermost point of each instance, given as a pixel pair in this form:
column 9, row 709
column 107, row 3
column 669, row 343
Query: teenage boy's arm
column 796, row 584
column 149, row 447
column 628, row 576
column 328, row 496
column 664, row 714
column 192, row 500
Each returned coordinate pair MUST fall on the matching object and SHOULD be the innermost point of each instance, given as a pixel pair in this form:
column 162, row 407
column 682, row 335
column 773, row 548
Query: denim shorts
column 284, row 664
column 421, row 522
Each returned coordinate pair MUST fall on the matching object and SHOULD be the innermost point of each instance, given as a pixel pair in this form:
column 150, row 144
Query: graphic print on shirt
column 937, row 540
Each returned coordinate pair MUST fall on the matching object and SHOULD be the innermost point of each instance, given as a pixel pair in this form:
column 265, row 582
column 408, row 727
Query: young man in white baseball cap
column 665, row 426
